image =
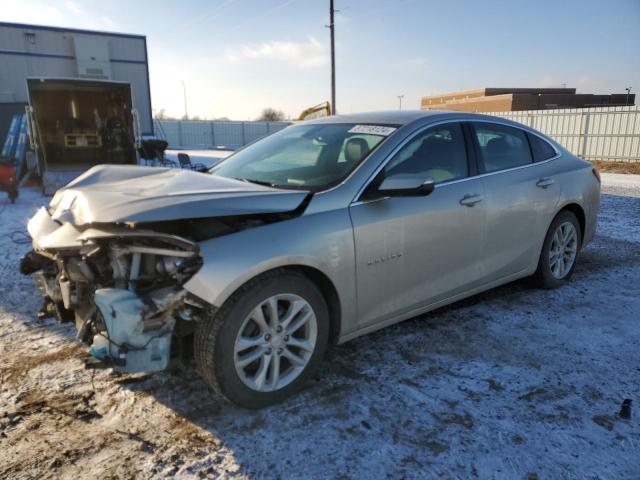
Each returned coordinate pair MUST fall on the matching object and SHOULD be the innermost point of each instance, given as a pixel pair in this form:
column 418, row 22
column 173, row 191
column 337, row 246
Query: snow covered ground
column 513, row 383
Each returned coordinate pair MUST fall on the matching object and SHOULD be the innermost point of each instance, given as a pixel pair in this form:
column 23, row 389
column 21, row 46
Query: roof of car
column 390, row 118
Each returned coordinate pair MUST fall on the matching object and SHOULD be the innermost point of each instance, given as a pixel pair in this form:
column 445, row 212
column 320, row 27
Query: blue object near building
column 10, row 141
column 21, row 145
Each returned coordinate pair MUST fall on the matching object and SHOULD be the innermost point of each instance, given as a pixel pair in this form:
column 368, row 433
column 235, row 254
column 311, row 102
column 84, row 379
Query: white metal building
column 55, row 52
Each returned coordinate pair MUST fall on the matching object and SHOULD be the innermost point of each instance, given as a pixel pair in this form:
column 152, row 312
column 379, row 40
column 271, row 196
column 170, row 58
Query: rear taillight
column 596, row 173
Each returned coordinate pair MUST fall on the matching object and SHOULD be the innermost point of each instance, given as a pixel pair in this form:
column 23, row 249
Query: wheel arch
column 572, row 207
column 330, row 294
column 324, row 284
column 580, row 214
column 319, row 278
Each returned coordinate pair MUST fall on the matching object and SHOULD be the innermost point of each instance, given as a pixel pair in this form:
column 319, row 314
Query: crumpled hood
column 118, row 193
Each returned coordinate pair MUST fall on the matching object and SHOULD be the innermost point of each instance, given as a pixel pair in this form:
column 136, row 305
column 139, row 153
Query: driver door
column 418, row 250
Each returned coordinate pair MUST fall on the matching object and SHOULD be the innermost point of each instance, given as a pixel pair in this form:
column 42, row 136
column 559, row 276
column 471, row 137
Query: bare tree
column 271, row 115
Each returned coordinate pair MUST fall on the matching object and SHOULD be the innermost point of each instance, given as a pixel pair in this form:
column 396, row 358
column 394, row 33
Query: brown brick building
column 512, row 99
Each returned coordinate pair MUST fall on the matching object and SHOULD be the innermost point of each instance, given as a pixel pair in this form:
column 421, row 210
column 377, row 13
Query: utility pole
column 400, row 97
column 184, row 93
column 334, row 110
column 628, row 89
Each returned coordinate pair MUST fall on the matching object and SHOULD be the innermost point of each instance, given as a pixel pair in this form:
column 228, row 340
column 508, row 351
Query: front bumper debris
column 122, row 286
column 126, row 341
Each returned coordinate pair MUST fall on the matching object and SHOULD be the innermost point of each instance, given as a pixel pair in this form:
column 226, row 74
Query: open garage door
column 78, row 124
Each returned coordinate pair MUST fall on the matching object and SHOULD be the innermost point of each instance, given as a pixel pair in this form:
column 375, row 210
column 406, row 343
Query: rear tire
column 295, row 339
column 559, row 252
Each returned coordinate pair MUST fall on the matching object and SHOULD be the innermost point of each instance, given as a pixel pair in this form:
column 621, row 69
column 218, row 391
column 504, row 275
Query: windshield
column 310, row 157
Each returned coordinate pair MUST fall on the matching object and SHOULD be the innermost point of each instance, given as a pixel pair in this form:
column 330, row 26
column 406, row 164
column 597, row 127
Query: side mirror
column 403, row 185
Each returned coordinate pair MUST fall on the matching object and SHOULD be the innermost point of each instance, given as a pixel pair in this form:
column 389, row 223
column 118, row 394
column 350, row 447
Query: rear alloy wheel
column 265, row 342
column 563, row 250
column 559, row 252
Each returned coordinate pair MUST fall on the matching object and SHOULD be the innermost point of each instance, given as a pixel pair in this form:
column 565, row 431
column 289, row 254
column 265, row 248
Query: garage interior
column 83, row 123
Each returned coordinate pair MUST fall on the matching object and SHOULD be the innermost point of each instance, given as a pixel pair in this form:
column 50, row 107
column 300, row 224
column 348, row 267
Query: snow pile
column 508, row 384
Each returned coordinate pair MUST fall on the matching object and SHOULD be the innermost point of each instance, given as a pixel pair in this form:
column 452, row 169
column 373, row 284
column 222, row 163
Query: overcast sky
column 239, row 56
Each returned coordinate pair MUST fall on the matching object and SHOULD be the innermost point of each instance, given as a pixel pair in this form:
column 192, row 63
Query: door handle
column 470, row 200
column 544, row 183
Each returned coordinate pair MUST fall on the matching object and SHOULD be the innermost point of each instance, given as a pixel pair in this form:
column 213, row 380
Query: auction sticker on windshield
column 373, row 130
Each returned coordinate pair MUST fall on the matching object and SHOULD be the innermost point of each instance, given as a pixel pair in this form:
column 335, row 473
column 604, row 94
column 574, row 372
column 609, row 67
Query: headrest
column 434, row 149
column 497, row 146
column 355, row 150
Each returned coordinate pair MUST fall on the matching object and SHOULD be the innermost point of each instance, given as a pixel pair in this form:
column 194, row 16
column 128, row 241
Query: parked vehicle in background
column 317, row 234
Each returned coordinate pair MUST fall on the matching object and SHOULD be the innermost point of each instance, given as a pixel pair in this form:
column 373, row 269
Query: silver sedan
column 320, row 233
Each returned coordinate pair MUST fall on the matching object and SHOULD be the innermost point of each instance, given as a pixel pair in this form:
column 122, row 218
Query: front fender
column 322, row 241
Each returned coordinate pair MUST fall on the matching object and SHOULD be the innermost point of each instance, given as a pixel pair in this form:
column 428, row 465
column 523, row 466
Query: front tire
column 265, row 341
column 559, row 252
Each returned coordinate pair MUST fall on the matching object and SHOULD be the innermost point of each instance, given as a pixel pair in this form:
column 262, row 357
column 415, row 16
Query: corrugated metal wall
column 205, row 134
column 39, row 51
column 602, row 133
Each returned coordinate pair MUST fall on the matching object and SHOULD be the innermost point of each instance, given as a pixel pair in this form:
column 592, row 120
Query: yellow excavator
column 317, row 111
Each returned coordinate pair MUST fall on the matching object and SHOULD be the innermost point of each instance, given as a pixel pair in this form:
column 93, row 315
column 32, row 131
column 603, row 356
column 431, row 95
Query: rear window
column 541, row 149
column 502, row 147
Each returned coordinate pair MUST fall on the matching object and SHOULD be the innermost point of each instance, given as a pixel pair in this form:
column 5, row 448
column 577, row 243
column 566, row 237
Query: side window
column 541, row 148
column 502, row 147
column 437, row 154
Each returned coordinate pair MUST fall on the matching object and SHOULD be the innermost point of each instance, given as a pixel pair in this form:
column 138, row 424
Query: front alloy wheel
column 275, row 342
column 265, row 341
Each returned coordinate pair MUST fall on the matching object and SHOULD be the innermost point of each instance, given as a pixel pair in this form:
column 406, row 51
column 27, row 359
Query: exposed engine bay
column 122, row 287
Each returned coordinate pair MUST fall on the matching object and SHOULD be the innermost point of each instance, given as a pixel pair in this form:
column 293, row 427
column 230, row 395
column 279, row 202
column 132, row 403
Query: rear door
column 520, row 197
column 413, row 251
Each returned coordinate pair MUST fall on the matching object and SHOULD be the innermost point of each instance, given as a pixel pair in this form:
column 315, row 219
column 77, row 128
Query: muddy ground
column 513, row 383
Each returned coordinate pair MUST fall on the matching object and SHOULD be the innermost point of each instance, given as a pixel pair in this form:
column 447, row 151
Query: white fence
column 207, row 134
column 602, row 133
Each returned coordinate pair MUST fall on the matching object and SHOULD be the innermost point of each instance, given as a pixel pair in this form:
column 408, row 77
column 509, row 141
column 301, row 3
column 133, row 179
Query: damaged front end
column 123, row 287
